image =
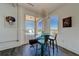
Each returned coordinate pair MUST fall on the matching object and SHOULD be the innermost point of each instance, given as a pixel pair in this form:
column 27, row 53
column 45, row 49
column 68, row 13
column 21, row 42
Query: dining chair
column 46, row 43
column 32, row 42
column 53, row 43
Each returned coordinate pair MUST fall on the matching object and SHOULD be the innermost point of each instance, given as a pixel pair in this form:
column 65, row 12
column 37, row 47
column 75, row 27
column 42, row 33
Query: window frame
column 28, row 20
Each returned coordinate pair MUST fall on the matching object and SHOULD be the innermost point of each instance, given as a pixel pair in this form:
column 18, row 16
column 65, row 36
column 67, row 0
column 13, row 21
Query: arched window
column 39, row 26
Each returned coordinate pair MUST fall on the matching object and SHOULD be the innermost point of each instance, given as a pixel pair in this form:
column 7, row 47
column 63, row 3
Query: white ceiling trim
column 56, row 9
column 38, row 7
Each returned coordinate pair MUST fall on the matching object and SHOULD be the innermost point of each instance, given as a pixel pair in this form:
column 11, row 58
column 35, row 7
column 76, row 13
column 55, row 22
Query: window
column 29, row 25
column 53, row 25
column 39, row 26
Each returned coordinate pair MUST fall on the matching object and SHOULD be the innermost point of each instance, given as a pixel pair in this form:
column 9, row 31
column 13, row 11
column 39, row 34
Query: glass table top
column 41, row 39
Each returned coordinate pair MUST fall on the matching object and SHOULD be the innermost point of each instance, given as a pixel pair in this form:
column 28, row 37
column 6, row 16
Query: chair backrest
column 34, row 41
column 55, row 36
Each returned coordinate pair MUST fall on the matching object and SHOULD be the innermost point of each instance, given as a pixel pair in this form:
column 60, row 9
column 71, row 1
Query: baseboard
column 68, row 51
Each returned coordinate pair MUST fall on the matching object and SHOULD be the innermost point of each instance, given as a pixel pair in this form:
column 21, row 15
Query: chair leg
column 56, row 46
column 53, row 46
column 50, row 43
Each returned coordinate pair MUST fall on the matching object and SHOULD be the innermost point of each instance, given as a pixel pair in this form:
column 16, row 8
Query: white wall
column 7, row 10
column 69, row 37
column 11, row 33
column 7, row 32
column 21, row 16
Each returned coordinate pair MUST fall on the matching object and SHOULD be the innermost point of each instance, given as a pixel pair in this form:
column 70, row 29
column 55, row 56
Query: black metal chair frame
column 32, row 42
column 52, row 42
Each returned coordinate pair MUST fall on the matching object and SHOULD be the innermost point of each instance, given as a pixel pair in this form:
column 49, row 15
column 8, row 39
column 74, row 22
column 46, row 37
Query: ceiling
column 41, row 7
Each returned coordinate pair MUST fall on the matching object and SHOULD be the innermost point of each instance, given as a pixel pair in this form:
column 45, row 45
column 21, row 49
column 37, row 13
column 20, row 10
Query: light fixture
column 10, row 19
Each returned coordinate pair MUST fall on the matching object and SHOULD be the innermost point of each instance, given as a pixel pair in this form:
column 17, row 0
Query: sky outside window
column 39, row 26
column 53, row 25
column 29, row 24
column 54, row 22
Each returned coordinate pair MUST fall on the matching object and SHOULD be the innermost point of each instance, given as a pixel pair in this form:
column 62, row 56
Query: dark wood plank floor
column 27, row 51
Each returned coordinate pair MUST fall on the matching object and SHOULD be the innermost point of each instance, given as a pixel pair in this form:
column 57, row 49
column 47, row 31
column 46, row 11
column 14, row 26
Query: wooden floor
column 27, row 51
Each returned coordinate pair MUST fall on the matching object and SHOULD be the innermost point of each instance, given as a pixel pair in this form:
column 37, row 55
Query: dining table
column 41, row 41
